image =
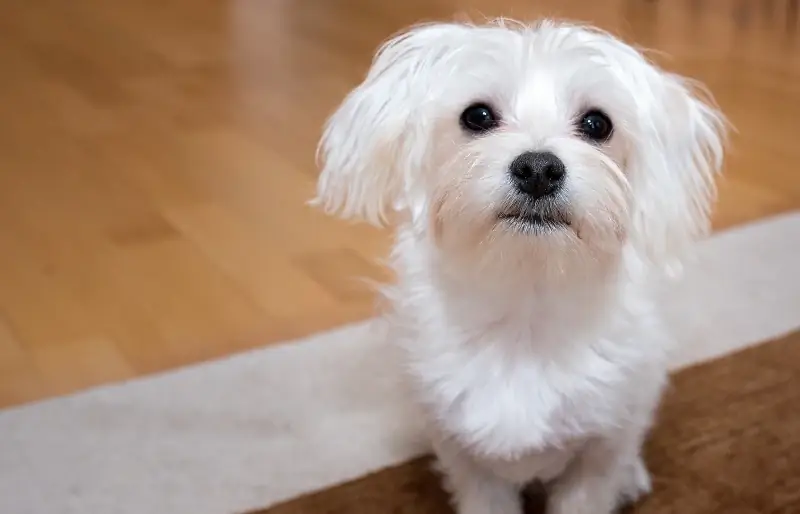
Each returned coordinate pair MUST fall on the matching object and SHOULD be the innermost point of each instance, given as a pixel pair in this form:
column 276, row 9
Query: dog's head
column 520, row 142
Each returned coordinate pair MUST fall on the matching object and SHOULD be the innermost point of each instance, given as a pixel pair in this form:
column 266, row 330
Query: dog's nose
column 538, row 174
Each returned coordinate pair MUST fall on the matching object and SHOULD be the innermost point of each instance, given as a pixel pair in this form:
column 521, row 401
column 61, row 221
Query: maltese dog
column 544, row 181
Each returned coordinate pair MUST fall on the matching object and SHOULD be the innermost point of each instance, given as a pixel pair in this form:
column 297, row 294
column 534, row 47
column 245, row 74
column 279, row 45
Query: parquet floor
column 156, row 156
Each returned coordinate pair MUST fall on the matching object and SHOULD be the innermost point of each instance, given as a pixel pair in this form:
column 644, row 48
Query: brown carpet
column 727, row 442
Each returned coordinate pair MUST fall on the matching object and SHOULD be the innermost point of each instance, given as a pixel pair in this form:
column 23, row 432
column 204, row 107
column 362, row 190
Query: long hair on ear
column 377, row 138
column 676, row 163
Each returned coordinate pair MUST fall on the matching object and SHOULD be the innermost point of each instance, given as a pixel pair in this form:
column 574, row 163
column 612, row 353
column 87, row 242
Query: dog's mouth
column 534, row 220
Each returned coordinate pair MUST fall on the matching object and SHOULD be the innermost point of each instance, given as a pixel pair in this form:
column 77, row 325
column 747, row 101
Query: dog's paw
column 637, row 483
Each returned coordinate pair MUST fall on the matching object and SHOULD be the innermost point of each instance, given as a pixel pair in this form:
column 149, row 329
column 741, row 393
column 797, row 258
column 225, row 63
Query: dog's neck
column 543, row 305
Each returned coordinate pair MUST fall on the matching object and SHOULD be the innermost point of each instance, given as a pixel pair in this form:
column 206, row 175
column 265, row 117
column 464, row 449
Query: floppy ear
column 675, row 165
column 377, row 138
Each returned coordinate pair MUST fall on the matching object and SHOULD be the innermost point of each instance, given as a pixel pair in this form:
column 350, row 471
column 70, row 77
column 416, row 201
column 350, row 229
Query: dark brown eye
column 478, row 118
column 596, row 126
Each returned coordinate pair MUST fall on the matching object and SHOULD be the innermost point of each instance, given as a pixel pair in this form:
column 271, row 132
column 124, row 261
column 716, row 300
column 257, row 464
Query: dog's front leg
column 605, row 473
column 474, row 489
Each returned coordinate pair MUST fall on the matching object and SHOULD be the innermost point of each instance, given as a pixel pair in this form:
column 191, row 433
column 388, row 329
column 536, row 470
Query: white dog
column 541, row 179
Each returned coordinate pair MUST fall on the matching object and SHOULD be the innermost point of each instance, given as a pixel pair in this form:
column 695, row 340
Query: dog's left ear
column 376, row 140
column 675, row 165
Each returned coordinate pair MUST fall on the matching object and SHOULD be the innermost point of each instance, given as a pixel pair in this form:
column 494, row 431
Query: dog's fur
column 535, row 349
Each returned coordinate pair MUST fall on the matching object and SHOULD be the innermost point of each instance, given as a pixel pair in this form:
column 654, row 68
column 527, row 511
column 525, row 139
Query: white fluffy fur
column 537, row 353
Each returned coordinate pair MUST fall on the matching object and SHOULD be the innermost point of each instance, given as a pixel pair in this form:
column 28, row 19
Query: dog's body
column 521, row 380
column 541, row 180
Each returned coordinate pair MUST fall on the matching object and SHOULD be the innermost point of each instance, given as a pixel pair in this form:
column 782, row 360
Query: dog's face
column 545, row 142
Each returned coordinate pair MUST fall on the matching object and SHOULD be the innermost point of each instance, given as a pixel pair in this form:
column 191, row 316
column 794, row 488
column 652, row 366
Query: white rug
column 258, row 428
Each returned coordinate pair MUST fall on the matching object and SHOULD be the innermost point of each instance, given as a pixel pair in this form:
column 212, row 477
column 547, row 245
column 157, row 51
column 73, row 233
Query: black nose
column 537, row 174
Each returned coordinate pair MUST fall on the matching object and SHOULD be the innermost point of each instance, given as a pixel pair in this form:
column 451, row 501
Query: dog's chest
column 510, row 409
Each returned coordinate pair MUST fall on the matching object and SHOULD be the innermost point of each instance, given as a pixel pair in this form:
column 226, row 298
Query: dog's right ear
column 377, row 137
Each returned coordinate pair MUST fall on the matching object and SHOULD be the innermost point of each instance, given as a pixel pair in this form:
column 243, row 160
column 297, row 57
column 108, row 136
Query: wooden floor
column 155, row 158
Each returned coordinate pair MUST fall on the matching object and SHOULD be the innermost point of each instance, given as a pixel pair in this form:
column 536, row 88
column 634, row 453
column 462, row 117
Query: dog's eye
column 478, row 118
column 595, row 125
